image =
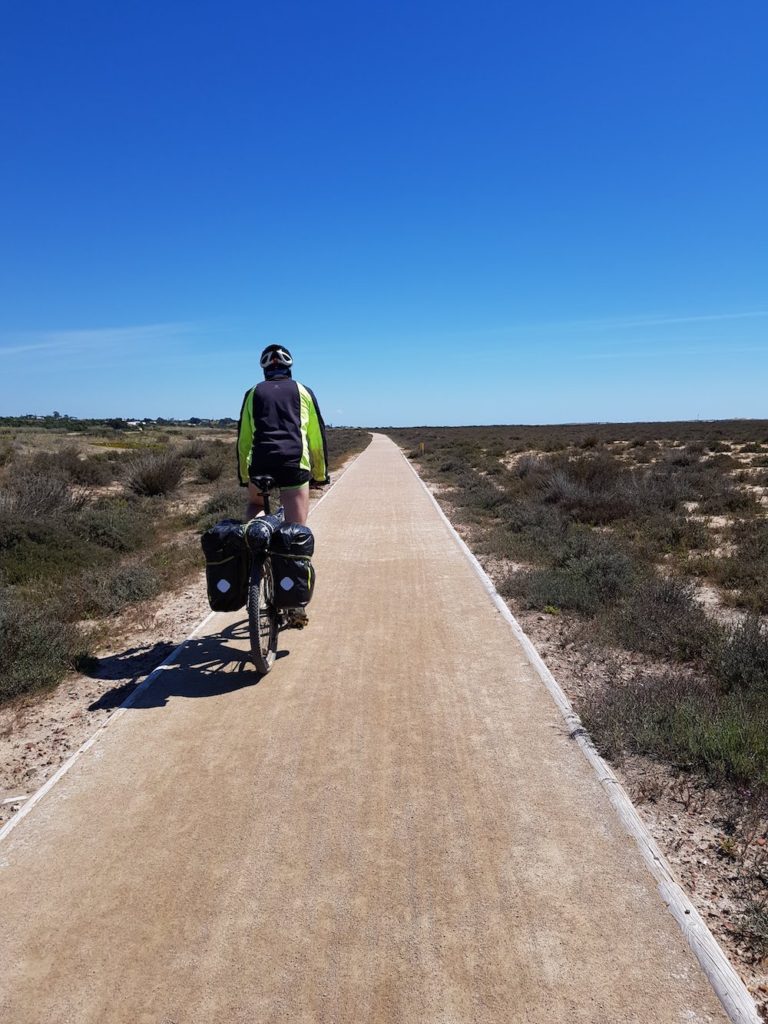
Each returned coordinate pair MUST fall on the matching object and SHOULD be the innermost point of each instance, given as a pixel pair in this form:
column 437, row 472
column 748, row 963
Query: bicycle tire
column 262, row 616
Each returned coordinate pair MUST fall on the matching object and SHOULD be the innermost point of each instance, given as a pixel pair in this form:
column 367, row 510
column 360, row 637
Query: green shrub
column 155, row 474
column 47, row 550
column 227, row 503
column 525, row 531
column 36, row 648
column 475, row 491
column 731, row 500
column 98, row 594
column 746, row 569
column 116, row 523
column 660, row 617
column 599, row 489
column 684, row 720
column 740, row 661
column 659, row 533
column 589, row 574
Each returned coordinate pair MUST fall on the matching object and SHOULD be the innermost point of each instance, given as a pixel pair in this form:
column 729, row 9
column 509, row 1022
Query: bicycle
column 264, row 619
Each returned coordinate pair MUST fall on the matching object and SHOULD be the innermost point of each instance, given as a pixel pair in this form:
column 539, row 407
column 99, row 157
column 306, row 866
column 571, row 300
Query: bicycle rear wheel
column 262, row 616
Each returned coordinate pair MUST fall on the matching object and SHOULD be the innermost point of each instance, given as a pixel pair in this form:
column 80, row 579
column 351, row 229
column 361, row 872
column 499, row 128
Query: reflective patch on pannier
column 227, row 565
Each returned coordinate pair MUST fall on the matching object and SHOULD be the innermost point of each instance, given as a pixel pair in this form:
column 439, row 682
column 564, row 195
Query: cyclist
column 281, row 434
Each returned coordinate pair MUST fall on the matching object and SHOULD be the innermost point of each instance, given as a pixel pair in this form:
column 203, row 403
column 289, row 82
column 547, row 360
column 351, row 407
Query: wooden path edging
column 722, row 975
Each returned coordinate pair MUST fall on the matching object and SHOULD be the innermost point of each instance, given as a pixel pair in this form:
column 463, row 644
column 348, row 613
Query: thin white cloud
column 525, row 329
column 71, row 341
column 660, row 321
column 672, row 350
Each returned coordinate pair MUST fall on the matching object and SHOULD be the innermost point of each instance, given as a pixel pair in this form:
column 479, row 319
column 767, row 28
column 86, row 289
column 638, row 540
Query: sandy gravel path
column 393, row 826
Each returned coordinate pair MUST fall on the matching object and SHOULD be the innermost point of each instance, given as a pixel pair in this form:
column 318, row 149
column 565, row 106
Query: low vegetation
column 91, row 527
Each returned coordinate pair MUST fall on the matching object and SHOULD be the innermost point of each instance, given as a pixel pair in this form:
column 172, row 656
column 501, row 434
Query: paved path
column 392, row 826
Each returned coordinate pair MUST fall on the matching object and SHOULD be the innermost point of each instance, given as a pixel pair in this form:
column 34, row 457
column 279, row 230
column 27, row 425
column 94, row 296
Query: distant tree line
column 61, row 421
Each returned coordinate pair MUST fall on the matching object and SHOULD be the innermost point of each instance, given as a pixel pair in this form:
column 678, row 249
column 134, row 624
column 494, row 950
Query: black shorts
column 284, row 477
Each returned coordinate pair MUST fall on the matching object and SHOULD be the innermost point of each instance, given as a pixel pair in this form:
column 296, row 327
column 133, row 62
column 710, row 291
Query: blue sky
column 450, row 212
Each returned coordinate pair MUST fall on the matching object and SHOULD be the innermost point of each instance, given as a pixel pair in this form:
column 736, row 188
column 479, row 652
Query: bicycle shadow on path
column 207, row 666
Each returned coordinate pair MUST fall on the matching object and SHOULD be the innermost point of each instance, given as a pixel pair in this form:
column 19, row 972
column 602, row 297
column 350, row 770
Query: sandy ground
column 394, row 825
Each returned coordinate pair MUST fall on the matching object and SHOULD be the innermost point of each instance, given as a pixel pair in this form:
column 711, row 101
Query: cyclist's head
column 276, row 361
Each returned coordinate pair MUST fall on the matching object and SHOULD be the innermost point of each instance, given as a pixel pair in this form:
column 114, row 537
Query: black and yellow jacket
column 281, row 428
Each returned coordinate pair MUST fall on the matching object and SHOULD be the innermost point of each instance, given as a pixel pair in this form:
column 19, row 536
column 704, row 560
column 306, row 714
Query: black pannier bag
column 294, row 575
column 226, row 565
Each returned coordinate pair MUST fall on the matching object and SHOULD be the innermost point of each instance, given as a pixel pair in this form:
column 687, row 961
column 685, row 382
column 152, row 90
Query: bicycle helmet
column 276, row 357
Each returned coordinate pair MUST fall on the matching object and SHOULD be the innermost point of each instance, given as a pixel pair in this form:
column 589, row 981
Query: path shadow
column 206, row 666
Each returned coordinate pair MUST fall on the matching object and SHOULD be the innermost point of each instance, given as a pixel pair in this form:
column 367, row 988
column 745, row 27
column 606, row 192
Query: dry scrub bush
column 195, row 449
column 211, row 467
column 33, row 495
column 155, row 474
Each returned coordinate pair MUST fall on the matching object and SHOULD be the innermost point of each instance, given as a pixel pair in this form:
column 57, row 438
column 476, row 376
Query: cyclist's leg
column 295, row 501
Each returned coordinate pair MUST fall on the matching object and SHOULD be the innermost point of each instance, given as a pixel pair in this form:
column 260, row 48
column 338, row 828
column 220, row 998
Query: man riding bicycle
column 281, row 434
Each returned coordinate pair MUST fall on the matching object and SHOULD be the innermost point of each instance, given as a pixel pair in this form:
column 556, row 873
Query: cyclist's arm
column 245, row 437
column 318, row 447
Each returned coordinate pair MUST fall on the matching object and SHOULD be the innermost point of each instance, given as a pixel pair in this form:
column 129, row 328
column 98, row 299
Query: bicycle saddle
column 263, row 483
